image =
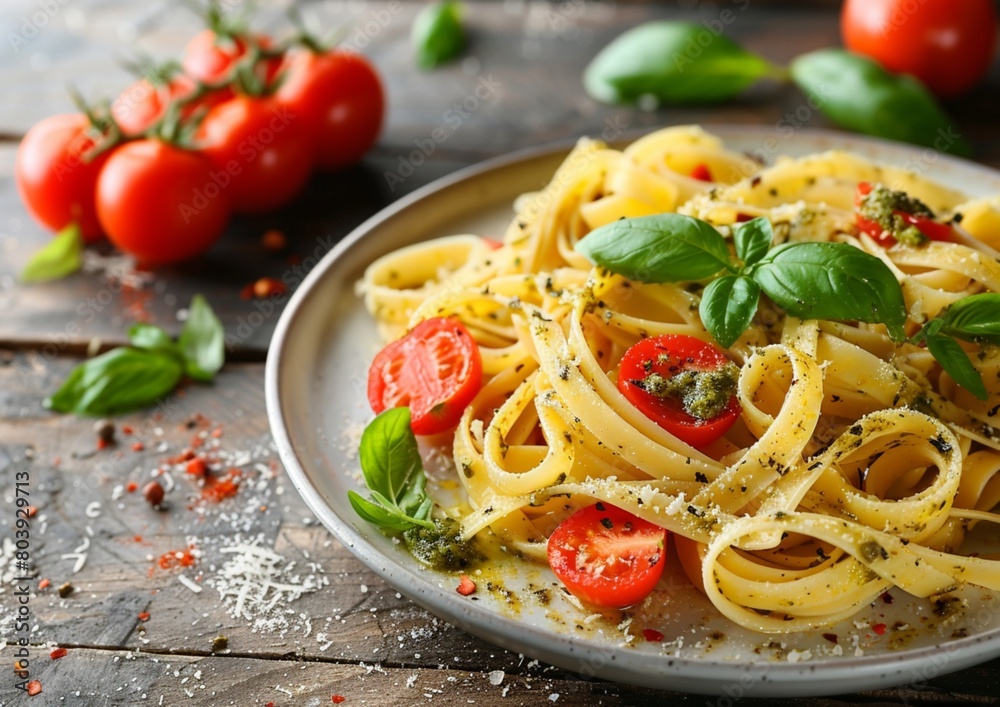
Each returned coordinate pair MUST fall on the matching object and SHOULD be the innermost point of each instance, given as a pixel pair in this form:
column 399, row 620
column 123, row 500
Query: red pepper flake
column 269, row 704
column 465, row 586
column 887, row 597
column 652, row 635
column 32, row 510
column 197, row 467
column 217, row 432
column 44, row 584
column 34, row 688
column 127, row 429
column 337, row 699
column 138, row 446
column 178, row 558
column 269, row 287
column 57, row 653
column 137, row 538
column 132, row 487
column 103, row 443
column 701, row 172
column 247, row 292
column 831, row 637
column 879, row 629
column 273, row 240
column 219, row 489
column 144, row 616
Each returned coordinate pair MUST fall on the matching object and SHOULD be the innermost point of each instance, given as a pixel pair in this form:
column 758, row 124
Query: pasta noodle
column 857, row 464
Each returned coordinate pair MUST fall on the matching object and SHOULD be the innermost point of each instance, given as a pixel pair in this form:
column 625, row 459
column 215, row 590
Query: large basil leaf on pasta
column 857, row 93
column 832, row 281
column 952, row 357
column 672, row 62
column 727, row 307
column 661, row 248
column 753, row 239
column 975, row 318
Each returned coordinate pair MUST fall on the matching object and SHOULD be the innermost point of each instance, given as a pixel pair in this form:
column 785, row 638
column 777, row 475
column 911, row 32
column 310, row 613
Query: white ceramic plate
column 316, row 373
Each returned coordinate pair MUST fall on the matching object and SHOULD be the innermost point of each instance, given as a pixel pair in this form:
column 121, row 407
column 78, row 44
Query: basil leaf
column 62, row 256
column 975, row 318
column 437, row 34
column 390, row 459
column 675, row 62
column 387, row 517
column 832, row 281
column 753, row 239
column 727, row 307
column 120, row 380
column 661, row 248
column 202, row 341
column 857, row 93
column 955, row 361
column 147, row 336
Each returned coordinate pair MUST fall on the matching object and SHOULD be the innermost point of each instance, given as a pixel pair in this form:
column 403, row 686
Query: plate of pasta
column 709, row 411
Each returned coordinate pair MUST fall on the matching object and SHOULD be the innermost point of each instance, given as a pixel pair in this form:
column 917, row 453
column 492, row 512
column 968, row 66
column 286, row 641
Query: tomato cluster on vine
column 236, row 126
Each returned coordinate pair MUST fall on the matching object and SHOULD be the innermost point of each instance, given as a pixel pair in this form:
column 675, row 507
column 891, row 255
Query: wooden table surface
column 354, row 636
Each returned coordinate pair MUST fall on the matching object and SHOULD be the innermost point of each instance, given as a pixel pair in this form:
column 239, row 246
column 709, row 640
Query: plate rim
column 786, row 678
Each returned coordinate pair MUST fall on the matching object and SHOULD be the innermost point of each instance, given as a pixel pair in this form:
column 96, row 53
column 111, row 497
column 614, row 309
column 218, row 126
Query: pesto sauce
column 441, row 547
column 704, row 394
column 882, row 205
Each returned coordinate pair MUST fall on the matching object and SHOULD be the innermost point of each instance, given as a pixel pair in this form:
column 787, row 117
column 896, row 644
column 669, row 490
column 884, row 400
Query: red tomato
column 606, row 556
column 55, row 178
column 928, row 226
column 145, row 102
column 947, row 44
column 668, row 355
column 435, row 370
column 157, row 202
column 261, row 156
column 339, row 97
column 210, row 58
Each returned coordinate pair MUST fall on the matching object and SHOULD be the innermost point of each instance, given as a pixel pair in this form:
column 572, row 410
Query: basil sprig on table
column 857, row 93
column 134, row 376
column 833, row 281
column 437, row 33
column 674, row 62
column 61, row 256
column 808, row 280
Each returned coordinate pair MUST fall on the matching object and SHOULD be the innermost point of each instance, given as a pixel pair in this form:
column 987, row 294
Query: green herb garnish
column 131, row 377
column 831, row 281
column 62, row 256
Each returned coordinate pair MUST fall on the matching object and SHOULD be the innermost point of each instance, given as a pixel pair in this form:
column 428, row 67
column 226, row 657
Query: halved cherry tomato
column 55, row 175
column 261, row 155
column 667, row 355
column 928, row 226
column 606, row 556
column 338, row 98
column 701, row 172
column 947, row 44
column 435, row 370
column 157, row 201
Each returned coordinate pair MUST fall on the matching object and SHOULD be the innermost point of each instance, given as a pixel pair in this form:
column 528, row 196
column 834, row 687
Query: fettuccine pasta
column 856, row 465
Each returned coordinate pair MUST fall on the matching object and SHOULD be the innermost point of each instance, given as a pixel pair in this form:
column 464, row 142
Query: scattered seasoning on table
column 879, row 629
column 269, row 287
column 153, row 492
column 219, row 644
column 138, row 446
column 144, row 616
column 465, row 586
column 273, row 240
column 178, row 558
column 34, row 687
column 65, row 590
column 337, row 699
column 132, row 487
column 105, row 431
column 217, row 489
column 57, row 653
column 44, row 584
column 196, row 467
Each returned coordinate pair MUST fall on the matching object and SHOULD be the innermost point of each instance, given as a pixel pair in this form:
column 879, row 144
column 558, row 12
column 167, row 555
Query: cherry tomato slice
column 435, row 370
column 668, row 355
column 928, row 226
column 606, row 556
